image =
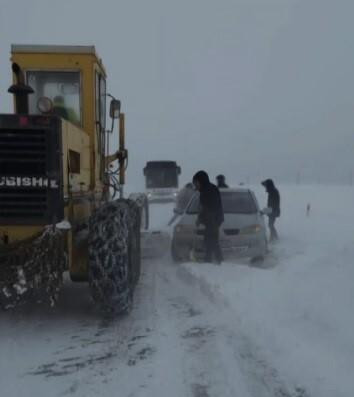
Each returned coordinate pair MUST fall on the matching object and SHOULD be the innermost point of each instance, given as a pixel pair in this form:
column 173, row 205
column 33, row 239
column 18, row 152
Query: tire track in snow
column 204, row 368
column 177, row 341
column 262, row 378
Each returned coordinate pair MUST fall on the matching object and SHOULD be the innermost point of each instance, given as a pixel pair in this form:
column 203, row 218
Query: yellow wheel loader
column 57, row 179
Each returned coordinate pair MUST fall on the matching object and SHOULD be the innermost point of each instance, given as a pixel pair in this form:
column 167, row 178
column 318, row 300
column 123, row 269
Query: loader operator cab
column 69, row 82
column 162, row 180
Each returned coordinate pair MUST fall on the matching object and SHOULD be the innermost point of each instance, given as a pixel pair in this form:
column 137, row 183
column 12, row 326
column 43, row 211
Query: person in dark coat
column 221, row 182
column 211, row 215
column 274, row 204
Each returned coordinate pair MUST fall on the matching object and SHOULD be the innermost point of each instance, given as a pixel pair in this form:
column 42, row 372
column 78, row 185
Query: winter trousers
column 212, row 245
column 273, row 231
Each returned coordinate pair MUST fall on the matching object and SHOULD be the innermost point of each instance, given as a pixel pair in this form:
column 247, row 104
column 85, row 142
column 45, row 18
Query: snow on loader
column 56, row 179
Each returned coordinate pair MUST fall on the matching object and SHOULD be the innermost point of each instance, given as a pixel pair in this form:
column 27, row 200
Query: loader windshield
column 63, row 88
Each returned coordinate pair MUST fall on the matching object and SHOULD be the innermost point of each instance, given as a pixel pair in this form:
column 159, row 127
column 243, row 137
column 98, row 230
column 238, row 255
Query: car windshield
column 161, row 178
column 63, row 88
column 233, row 203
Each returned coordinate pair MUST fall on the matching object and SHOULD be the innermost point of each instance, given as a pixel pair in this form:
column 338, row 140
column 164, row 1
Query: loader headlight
column 45, row 104
column 251, row 229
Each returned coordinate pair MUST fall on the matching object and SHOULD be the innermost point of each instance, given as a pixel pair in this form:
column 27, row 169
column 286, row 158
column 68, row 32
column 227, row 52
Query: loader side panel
column 31, row 187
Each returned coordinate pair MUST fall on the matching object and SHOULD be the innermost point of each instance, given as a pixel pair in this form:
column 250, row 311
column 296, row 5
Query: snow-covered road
column 198, row 330
column 176, row 342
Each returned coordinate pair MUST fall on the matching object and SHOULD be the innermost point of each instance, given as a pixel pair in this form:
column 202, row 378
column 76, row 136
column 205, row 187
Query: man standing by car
column 274, row 204
column 211, row 215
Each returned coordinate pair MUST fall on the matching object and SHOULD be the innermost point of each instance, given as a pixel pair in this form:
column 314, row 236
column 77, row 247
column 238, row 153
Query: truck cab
column 161, row 178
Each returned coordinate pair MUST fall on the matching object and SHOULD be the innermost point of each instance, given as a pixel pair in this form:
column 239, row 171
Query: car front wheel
column 175, row 253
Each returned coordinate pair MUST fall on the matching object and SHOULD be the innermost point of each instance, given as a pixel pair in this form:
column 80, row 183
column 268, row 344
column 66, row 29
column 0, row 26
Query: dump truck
column 61, row 194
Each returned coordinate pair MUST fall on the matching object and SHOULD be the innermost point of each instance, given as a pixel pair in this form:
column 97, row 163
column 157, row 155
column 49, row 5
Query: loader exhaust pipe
column 20, row 91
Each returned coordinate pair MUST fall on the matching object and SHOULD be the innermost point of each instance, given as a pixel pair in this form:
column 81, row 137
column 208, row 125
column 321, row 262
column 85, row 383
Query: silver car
column 242, row 235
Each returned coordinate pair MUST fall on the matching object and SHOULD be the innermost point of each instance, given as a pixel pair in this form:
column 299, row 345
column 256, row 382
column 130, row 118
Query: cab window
column 62, row 88
column 101, row 100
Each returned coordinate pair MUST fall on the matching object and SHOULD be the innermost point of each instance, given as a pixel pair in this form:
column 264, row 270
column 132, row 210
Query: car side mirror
column 266, row 211
column 114, row 109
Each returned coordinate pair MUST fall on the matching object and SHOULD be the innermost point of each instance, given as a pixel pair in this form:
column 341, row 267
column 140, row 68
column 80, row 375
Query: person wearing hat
column 221, row 182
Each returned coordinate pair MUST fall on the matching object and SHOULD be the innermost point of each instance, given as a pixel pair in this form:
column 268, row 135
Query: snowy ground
column 298, row 309
column 284, row 329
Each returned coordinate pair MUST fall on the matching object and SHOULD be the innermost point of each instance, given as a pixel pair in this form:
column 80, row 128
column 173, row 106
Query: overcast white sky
column 249, row 88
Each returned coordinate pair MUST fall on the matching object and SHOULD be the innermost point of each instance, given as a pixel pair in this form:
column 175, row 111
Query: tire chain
column 32, row 266
column 109, row 234
column 134, row 239
column 142, row 202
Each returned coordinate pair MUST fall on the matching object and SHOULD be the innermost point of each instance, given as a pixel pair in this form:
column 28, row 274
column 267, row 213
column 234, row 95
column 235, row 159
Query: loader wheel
column 134, row 241
column 113, row 256
column 143, row 203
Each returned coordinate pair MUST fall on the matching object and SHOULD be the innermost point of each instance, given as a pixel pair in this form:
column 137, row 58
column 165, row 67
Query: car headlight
column 251, row 229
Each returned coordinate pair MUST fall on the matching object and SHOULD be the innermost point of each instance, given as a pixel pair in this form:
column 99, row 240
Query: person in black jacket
column 274, row 204
column 211, row 215
column 221, row 182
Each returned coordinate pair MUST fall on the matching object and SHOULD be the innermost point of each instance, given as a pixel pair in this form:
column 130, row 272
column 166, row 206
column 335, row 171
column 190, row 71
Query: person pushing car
column 211, row 215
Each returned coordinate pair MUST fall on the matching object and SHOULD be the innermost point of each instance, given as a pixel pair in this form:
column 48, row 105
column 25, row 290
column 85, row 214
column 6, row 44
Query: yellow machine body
column 83, row 156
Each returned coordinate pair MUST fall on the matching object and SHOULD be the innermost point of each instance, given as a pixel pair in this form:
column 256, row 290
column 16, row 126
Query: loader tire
column 113, row 258
column 143, row 203
column 134, row 242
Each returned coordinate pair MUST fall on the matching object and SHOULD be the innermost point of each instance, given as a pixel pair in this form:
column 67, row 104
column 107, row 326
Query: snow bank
column 298, row 307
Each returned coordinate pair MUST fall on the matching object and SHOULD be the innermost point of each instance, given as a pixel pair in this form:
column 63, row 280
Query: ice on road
column 283, row 328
